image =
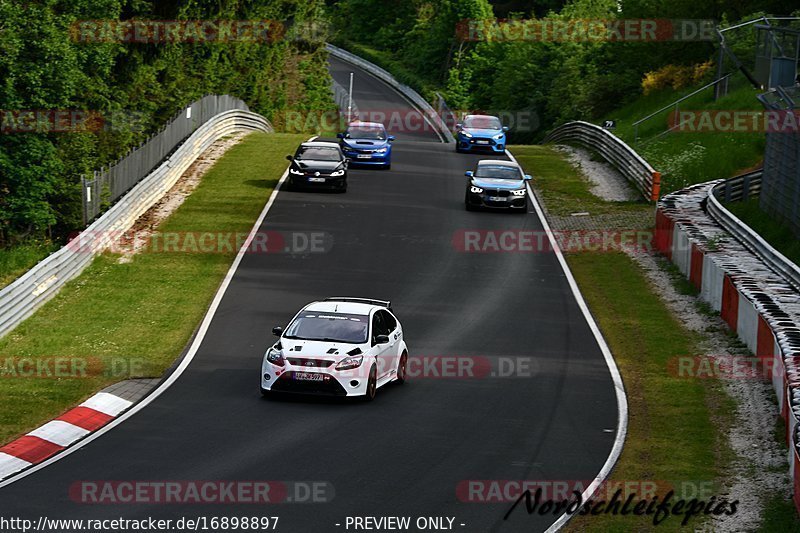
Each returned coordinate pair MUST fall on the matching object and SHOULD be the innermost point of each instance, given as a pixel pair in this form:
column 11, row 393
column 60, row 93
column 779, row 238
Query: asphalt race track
column 406, row 453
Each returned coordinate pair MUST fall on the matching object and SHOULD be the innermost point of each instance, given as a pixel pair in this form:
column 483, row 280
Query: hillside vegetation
column 48, row 64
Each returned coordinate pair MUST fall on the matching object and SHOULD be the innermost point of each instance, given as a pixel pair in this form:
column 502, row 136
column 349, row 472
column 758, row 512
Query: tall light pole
column 350, row 100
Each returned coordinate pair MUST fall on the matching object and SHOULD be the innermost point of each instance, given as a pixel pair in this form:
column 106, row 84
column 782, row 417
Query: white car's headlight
column 350, row 362
column 296, row 172
column 475, row 190
column 520, row 192
column 337, row 173
column 498, row 136
column 275, row 357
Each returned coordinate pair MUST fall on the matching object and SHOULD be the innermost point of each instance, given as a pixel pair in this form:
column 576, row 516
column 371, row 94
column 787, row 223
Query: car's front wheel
column 402, row 368
column 372, row 385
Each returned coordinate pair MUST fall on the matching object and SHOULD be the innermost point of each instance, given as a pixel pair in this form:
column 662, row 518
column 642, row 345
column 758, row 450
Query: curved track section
column 407, row 453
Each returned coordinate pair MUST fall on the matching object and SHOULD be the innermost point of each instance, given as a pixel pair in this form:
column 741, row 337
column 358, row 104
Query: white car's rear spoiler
column 382, row 303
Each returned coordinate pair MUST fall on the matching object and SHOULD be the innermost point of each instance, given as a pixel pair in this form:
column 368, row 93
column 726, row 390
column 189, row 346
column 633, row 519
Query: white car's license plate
column 316, row 179
column 497, row 199
column 307, row 376
column 481, row 142
column 364, row 156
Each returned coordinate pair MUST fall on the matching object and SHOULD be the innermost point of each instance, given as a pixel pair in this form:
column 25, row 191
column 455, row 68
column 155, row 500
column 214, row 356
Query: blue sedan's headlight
column 381, row 150
column 499, row 136
column 466, row 134
column 475, row 190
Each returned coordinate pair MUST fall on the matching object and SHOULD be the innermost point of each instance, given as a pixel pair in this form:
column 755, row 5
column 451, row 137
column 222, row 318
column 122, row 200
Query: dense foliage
column 556, row 80
column 43, row 66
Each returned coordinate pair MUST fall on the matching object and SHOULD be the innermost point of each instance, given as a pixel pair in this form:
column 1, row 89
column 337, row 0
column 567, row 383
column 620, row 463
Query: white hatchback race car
column 338, row 347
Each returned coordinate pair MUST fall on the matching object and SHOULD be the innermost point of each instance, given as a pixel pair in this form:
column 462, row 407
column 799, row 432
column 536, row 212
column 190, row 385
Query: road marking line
column 619, row 387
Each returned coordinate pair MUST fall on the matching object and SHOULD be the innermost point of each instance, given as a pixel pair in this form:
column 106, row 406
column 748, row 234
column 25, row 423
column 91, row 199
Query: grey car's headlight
column 350, row 362
column 520, row 192
column 475, row 190
column 337, row 173
column 275, row 357
column 295, row 172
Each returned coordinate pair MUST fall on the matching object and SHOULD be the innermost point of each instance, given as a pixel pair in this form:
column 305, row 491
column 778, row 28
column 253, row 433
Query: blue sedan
column 367, row 143
column 481, row 132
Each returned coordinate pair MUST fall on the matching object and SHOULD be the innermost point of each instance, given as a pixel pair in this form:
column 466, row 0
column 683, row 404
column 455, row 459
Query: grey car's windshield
column 317, row 153
column 373, row 134
column 483, row 123
column 329, row 327
column 498, row 172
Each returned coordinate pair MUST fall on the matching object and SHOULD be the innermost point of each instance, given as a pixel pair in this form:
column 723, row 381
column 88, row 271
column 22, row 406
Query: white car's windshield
column 329, row 327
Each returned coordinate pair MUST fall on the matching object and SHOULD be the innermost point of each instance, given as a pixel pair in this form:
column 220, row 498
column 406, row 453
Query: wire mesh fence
column 109, row 183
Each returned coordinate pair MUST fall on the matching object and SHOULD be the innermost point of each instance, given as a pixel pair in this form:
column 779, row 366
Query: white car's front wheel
column 402, row 367
column 372, row 384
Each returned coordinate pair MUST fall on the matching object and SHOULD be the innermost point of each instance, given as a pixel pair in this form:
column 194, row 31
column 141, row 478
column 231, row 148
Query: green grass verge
column 674, row 433
column 18, row 259
column 778, row 235
column 564, row 189
column 672, row 438
column 133, row 319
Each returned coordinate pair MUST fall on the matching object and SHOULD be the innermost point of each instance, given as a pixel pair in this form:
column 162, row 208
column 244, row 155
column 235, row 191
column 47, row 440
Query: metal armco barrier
column 752, row 297
column 739, row 188
column 21, row 298
column 614, row 150
column 409, row 93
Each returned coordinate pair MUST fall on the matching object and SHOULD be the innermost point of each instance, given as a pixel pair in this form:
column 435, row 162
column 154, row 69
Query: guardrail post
column 656, row 190
column 746, row 187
